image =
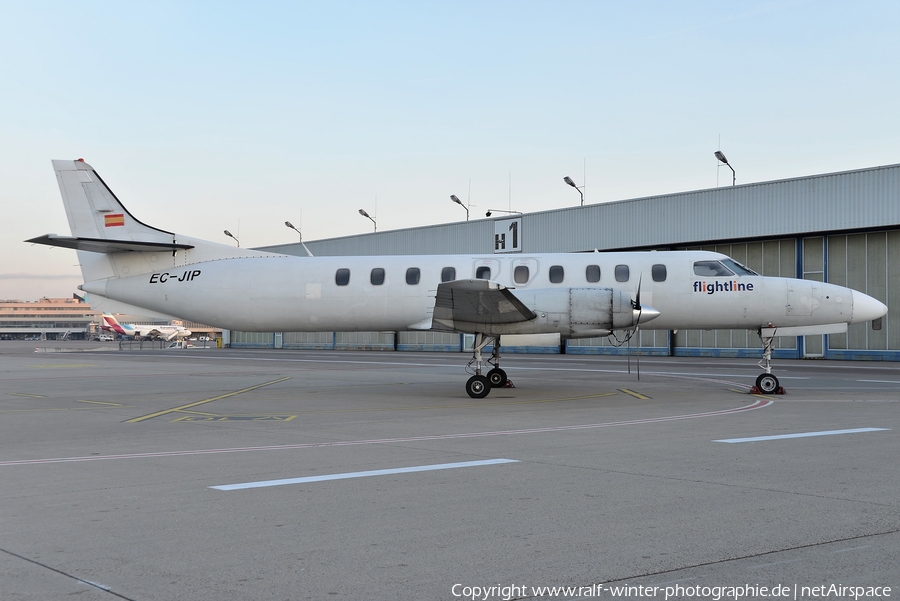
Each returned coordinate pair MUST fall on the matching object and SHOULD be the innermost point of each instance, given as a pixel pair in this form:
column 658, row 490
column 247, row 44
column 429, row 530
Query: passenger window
column 377, row 276
column 521, row 274
column 622, row 273
column 342, row 277
column 483, row 273
column 711, row 269
column 556, row 274
column 658, row 272
column 448, row 274
column 592, row 273
column 412, row 276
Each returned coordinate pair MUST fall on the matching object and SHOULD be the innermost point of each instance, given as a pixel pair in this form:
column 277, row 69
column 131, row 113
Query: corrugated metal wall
column 867, row 198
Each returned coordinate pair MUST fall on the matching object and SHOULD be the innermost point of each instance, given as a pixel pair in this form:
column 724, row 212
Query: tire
column 497, row 377
column 478, row 387
column 767, row 383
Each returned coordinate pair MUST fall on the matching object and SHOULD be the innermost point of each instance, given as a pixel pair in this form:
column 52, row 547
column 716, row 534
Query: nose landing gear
column 766, row 383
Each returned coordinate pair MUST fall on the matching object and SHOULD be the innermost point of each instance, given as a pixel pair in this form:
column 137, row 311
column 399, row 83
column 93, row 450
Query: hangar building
column 842, row 228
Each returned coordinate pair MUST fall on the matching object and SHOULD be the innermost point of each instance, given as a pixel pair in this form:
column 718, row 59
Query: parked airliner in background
column 166, row 332
column 130, row 267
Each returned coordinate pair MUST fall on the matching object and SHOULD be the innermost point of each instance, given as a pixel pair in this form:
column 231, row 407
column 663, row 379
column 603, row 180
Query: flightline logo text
column 713, row 287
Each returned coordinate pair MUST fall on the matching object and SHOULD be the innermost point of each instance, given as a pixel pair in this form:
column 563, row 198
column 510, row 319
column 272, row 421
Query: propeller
column 636, row 308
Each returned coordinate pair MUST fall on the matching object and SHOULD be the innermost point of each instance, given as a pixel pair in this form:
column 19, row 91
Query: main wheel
column 497, row 377
column 478, row 387
column 767, row 383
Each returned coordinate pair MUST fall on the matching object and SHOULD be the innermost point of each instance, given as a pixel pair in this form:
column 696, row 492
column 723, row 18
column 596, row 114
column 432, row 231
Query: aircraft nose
column 866, row 308
column 646, row 314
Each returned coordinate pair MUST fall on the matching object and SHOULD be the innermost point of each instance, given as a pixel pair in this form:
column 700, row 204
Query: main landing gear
column 766, row 383
column 480, row 385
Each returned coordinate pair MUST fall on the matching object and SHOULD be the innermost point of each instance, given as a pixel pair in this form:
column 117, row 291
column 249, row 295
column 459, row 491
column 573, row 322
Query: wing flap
column 477, row 302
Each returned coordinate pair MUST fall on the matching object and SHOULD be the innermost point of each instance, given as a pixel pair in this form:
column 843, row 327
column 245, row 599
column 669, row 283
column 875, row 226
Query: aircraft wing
column 477, row 301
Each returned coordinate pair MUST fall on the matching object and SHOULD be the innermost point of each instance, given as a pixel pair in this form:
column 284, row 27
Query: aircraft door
column 800, row 301
column 799, row 298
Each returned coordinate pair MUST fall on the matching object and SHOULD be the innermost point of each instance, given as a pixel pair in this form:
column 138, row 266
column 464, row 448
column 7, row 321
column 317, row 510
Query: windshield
column 710, row 269
column 738, row 268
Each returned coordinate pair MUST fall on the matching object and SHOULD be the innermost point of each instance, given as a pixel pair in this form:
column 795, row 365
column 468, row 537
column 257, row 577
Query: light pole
column 230, row 235
column 291, row 225
column 569, row 181
column 722, row 158
column 459, row 202
column 366, row 215
column 489, row 211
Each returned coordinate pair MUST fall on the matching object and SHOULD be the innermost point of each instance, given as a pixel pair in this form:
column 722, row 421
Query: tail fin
column 95, row 212
column 111, row 323
column 112, row 243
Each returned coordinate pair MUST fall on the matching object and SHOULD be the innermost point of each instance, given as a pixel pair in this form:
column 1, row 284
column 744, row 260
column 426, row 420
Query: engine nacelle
column 598, row 311
column 571, row 312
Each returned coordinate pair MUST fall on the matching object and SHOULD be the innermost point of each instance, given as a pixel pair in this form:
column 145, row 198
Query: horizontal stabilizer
column 478, row 301
column 98, row 245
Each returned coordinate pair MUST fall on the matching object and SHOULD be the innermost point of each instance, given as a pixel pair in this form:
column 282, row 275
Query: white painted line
column 398, row 470
column 851, row 549
column 760, row 404
column 801, row 435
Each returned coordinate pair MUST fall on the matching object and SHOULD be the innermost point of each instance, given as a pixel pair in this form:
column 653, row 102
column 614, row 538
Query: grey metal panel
column 833, row 202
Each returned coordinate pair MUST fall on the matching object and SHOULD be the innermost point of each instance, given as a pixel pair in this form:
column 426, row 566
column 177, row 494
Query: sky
column 206, row 116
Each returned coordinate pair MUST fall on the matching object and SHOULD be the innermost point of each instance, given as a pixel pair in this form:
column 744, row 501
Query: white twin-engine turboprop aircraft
column 128, row 265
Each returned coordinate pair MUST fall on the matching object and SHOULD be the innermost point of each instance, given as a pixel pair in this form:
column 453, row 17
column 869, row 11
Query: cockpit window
column 738, row 268
column 711, row 269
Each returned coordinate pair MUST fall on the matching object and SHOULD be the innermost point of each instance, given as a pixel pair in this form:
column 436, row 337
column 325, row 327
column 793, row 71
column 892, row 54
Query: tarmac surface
column 218, row 475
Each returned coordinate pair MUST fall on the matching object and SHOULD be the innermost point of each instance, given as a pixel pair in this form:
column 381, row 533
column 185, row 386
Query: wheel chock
column 509, row 384
column 756, row 390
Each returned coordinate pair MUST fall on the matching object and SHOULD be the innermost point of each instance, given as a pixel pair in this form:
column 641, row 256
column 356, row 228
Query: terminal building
column 69, row 319
column 842, row 228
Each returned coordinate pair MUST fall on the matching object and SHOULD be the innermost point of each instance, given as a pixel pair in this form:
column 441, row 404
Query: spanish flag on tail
column 114, row 220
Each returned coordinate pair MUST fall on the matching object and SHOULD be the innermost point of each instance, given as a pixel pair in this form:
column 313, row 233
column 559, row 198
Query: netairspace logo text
column 712, row 593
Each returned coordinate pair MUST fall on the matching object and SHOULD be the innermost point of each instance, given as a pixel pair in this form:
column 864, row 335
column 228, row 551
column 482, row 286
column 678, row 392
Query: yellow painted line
column 234, row 418
column 456, row 405
column 55, row 365
column 102, row 403
column 636, row 395
column 216, row 398
column 30, row 396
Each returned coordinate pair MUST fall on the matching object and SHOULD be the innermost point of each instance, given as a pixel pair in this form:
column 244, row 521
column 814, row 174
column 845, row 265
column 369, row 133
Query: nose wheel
column 767, row 384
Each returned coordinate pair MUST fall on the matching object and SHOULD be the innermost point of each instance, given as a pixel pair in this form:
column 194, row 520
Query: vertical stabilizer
column 111, row 242
column 95, row 212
